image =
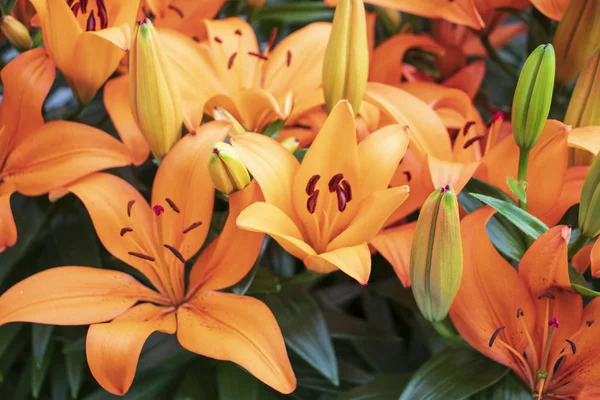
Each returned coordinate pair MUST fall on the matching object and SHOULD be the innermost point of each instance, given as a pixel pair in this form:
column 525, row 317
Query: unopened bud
column 346, row 62
column 16, row 33
column 291, row 144
column 533, row 96
column 227, row 171
column 576, row 38
column 436, row 260
column 155, row 100
column 589, row 206
column 220, row 114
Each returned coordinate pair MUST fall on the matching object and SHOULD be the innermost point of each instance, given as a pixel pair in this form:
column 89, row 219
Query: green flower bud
column 436, row 260
column 533, row 96
column 291, row 144
column 227, row 171
column 16, row 33
column 589, row 207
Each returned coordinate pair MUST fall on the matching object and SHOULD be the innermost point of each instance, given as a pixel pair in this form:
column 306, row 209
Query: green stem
column 485, row 41
column 577, row 244
column 448, row 332
column 523, row 164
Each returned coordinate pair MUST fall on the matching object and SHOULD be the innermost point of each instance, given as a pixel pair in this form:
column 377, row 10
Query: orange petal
column 582, row 259
column 183, row 181
column 551, row 8
column 116, row 207
column 267, row 218
column 570, row 195
column 374, row 210
column 387, row 58
column 394, row 244
column 229, row 257
column 73, row 296
column 183, row 16
column 8, row 234
column 60, row 153
column 379, row 155
column 27, row 80
column 500, row 36
column 585, row 138
column 113, row 349
column 448, row 172
column 595, row 260
column 484, row 302
column 272, row 165
column 119, row 36
column 257, row 109
column 116, row 101
column 468, row 79
column 240, row 329
column 354, row 261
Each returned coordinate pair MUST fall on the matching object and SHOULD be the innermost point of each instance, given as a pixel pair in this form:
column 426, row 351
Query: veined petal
column 268, row 219
column 551, row 8
column 113, row 349
column 123, row 222
column 570, row 195
column 184, row 189
column 272, row 165
column 379, row 155
column 354, row 261
column 73, row 296
column 585, row 138
column 394, row 245
column 123, row 13
column 582, row 259
column 257, row 109
column 374, row 210
column 448, row 172
column 468, row 79
column 119, row 36
column 485, row 303
column 116, row 101
column 183, row 15
column 8, row 234
column 240, row 329
column 230, row 256
column 60, row 153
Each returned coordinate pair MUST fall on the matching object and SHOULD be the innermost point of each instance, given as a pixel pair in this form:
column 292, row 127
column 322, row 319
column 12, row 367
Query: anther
column 70, row 2
column 311, row 203
column 76, row 8
column 590, row 322
column 408, row 175
column 468, row 126
column 495, row 335
column 572, row 344
column 142, row 256
column 341, row 198
column 272, row 38
column 218, row 39
column 158, row 209
column 347, row 189
column 172, row 204
column 130, row 204
column 546, row 295
column 520, row 313
column 474, row 139
column 102, row 14
column 177, row 10
column 258, row 55
column 554, row 322
column 238, row 32
column 192, row 226
column 231, row 60
column 312, row 184
column 334, row 182
column 83, row 5
column 91, row 22
column 288, row 60
column 125, row 230
column 175, row 252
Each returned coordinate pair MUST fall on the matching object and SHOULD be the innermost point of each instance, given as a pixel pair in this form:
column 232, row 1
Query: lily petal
column 182, row 16
column 119, row 36
column 585, row 138
column 257, row 109
column 468, row 79
column 355, row 261
column 113, row 349
column 570, row 195
column 394, row 244
column 8, row 234
column 448, row 172
column 595, row 260
column 551, row 8
column 582, row 259
column 240, row 329
column 73, row 296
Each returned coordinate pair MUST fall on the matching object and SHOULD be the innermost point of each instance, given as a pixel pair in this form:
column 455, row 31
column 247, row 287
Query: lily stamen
column 288, row 60
column 91, row 22
column 175, row 252
column 534, row 357
column 231, row 60
column 172, row 204
column 341, row 198
column 192, row 227
column 124, row 231
column 258, row 55
column 142, row 256
column 347, row 189
column 311, row 203
column 334, row 182
column 312, row 184
column 177, row 10
column 129, row 207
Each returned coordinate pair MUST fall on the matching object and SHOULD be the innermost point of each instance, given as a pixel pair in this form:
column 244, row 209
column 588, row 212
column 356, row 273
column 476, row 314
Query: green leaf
column 509, row 388
column 58, row 381
column 75, row 238
column 296, row 12
column 246, row 386
column 343, row 326
column 39, row 372
column 9, row 358
column 75, row 364
column 274, row 128
column 518, row 188
column 304, row 329
column 579, row 284
column 527, row 223
column 506, row 237
column 199, row 382
column 264, row 282
column 40, row 335
column 478, row 186
column 383, row 387
column 7, row 333
column 454, row 373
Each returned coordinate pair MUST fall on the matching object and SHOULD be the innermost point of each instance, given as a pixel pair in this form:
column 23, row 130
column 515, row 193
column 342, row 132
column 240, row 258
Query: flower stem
column 489, row 48
column 523, row 164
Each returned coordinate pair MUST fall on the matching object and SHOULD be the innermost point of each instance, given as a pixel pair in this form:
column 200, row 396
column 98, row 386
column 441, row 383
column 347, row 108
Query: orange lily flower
column 36, row 158
column 85, row 40
column 181, row 15
column 325, row 210
column 530, row 320
column 157, row 241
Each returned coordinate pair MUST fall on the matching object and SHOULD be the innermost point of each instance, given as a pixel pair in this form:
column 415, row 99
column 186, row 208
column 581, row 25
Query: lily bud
column 584, row 106
column 16, row 33
column 576, row 38
column 220, row 114
column 346, row 62
column 589, row 207
column 436, row 260
column 291, row 144
column 155, row 100
column 227, row 171
column 533, row 96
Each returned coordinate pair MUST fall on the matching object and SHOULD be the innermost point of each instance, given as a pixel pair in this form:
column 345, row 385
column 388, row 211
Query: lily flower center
column 92, row 17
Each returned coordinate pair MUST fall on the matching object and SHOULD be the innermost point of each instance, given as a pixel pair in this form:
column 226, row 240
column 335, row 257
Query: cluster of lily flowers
column 324, row 143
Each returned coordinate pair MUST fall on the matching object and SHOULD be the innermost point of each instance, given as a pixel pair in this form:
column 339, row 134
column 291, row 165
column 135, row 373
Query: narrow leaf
column 518, row 188
column 41, row 335
column 383, row 387
column 509, row 388
column 39, row 373
column 246, row 386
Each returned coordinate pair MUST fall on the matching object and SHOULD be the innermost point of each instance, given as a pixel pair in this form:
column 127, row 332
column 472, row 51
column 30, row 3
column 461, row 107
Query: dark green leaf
column 343, row 326
column 481, row 187
column 297, row 11
column 39, row 373
column 274, row 128
column 9, row 358
column 58, row 381
column 75, row 239
column 383, row 387
column 518, row 188
column 509, row 388
column 264, row 282
column 7, row 333
column 40, row 335
column 454, row 373
column 506, row 237
column 75, row 364
column 199, row 382
column 246, row 386
column 304, row 329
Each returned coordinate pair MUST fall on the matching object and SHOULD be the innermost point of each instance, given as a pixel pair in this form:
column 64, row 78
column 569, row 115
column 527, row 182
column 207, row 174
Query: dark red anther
column 102, row 14
column 141, row 255
column 312, row 184
column 177, row 10
column 124, row 231
column 408, row 175
column 272, row 38
column 590, row 322
column 130, row 204
column 468, row 126
column 172, row 204
column 238, row 32
column 196, row 38
column 474, row 139
column 554, row 322
column 334, row 182
column 76, row 8
column 547, row 295
column 158, row 209
column 288, row 60
column 311, row 203
column 91, row 22
column 347, row 190
column 192, row 226
column 83, row 5
column 572, row 344
column 341, row 198
column 175, row 252
column 258, row 55
column 520, row 313
column 70, row 2
column 442, row 190
column 495, row 335
column 218, row 39
column 231, row 60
